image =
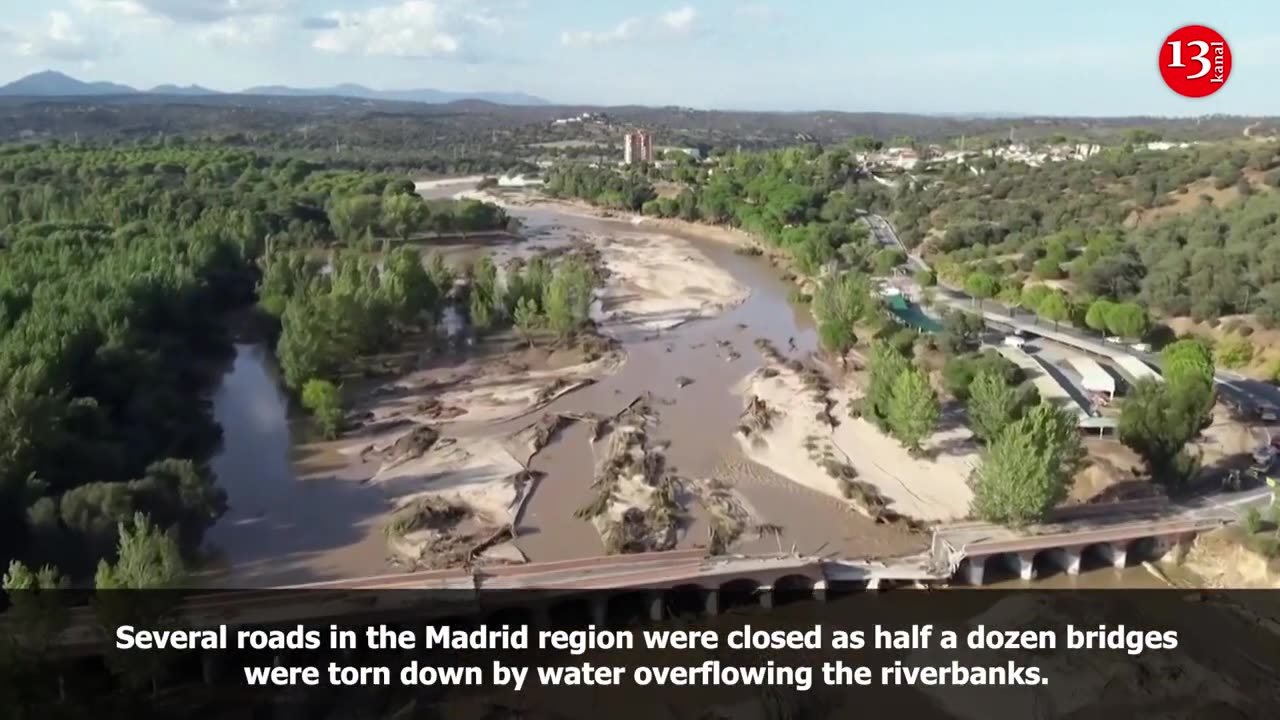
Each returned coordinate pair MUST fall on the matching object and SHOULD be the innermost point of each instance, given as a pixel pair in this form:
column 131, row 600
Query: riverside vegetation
column 1093, row 243
column 118, row 266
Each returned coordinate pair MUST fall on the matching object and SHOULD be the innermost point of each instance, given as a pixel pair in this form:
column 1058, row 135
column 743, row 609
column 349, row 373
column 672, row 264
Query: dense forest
column 802, row 199
column 1189, row 232
column 1184, row 232
column 117, row 265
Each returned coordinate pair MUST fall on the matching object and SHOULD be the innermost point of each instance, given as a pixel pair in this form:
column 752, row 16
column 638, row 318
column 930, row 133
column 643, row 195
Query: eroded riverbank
column 686, row 312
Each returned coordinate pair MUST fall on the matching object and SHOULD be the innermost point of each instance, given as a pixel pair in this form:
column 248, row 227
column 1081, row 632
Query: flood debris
column 410, row 446
column 757, row 419
column 432, row 532
column 728, row 513
column 636, row 504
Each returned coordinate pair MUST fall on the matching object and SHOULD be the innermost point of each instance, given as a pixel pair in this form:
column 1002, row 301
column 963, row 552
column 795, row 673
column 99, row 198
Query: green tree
column 1128, row 320
column 884, row 367
column 480, row 312
column 993, row 405
column 1055, row 308
column 981, row 286
column 913, row 409
column 440, row 273
column 1028, row 468
column 568, row 297
column 1185, row 359
column 1099, row 312
column 839, row 303
column 308, row 346
column 34, row 620
column 887, row 259
column 323, row 400
column 147, row 558
column 408, row 288
column 404, row 215
column 527, row 318
column 1157, row 421
column 1033, row 296
column 961, row 331
column 354, row 216
column 1011, row 295
column 836, row 338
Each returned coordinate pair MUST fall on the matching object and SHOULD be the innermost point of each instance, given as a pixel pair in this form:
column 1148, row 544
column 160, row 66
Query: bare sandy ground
column 657, row 281
column 661, row 282
column 460, row 493
column 491, row 390
column 1219, row 559
column 467, row 486
column 800, row 446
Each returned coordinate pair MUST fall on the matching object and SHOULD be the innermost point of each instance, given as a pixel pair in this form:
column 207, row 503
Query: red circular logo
column 1195, row 61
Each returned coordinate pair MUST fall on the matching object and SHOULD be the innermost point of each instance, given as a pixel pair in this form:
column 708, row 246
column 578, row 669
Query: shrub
column 1252, row 521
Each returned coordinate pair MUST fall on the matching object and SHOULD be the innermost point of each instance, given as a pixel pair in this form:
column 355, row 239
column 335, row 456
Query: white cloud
column 61, row 39
column 124, row 8
column 240, row 32
column 681, row 20
column 414, row 28
column 624, row 30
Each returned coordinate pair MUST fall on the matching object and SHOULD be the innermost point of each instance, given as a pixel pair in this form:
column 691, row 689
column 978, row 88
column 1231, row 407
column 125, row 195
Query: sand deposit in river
column 798, row 425
column 459, row 499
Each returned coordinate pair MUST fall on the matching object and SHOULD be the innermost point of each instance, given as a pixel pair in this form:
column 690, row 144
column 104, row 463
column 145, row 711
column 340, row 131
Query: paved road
column 1243, row 391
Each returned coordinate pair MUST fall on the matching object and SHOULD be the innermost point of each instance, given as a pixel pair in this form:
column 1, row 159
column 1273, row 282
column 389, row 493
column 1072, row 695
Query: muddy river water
column 300, row 514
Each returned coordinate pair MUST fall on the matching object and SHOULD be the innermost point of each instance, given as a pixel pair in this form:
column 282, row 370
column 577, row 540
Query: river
column 298, row 513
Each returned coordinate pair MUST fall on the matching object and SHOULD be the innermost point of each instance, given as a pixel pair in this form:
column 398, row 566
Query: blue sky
column 1043, row 57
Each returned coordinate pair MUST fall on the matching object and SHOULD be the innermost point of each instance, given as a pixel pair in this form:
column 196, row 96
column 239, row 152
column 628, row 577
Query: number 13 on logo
column 1195, row 61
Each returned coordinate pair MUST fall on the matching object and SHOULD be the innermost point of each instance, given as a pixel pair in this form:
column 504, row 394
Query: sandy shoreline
column 801, row 445
column 580, row 208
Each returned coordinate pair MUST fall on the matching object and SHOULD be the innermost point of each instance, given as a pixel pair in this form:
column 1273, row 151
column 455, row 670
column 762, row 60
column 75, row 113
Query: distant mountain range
column 56, row 84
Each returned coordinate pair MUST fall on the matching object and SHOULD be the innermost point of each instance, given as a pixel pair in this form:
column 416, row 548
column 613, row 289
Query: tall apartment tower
column 637, row 147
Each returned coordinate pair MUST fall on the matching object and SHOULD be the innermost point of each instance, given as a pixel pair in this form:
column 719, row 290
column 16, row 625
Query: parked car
column 1140, row 347
column 1014, row 341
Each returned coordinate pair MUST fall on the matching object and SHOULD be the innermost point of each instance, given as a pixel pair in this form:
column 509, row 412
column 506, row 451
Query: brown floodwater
column 300, row 514
column 296, row 515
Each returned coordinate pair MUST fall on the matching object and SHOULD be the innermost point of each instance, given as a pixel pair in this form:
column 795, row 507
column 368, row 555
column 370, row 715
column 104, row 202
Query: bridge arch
column 573, row 611
column 739, row 592
column 1144, row 549
column 628, row 607
column 1098, row 556
column 792, row 588
column 1001, row 566
column 513, row 615
column 685, row 600
column 1046, row 563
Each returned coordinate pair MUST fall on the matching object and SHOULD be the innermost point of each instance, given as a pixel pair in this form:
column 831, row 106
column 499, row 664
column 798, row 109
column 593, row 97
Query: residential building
column 637, row 147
